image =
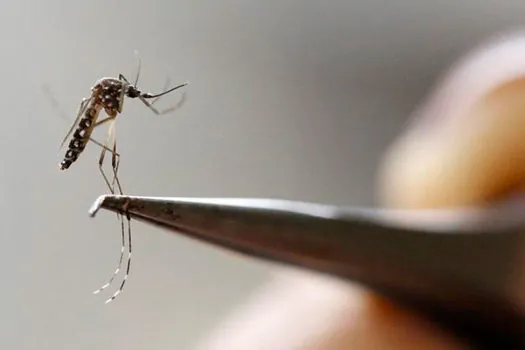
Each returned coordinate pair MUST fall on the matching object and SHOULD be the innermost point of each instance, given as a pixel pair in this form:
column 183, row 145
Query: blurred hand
column 466, row 146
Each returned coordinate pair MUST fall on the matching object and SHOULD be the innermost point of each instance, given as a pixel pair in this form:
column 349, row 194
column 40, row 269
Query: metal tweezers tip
column 97, row 205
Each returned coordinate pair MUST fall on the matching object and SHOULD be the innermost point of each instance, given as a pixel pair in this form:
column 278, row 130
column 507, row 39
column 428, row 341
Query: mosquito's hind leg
column 102, row 156
column 115, row 162
column 100, row 144
column 128, row 265
column 106, row 148
column 123, row 247
column 115, row 158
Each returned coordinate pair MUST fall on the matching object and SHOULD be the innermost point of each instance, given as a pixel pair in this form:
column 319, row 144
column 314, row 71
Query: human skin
column 465, row 146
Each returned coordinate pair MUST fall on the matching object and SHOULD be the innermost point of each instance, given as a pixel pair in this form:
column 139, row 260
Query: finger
column 467, row 144
column 308, row 312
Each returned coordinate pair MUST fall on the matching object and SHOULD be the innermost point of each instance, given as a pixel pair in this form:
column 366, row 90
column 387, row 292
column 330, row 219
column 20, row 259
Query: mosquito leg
column 100, row 144
column 104, row 149
column 128, row 267
column 117, row 270
column 101, row 160
column 115, row 162
column 115, row 156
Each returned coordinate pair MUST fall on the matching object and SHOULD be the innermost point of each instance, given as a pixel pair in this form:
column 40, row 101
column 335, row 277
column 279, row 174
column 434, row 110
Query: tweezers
column 462, row 268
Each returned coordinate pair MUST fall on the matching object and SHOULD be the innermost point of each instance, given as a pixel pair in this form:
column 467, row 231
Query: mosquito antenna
column 138, row 69
column 146, row 95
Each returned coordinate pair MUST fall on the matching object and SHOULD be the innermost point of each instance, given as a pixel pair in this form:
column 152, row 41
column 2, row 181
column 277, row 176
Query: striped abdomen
column 81, row 136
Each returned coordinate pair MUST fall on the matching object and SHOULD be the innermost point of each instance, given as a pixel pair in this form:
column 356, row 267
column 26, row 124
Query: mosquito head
column 132, row 92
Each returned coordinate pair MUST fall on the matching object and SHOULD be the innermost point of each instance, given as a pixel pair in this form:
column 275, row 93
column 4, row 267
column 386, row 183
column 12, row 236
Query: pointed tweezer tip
column 116, row 203
column 96, row 206
column 103, row 201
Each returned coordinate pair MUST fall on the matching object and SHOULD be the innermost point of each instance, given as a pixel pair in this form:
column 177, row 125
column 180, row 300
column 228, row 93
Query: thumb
column 466, row 146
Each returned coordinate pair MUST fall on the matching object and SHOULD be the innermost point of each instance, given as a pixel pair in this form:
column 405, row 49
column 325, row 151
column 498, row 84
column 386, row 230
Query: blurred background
column 287, row 99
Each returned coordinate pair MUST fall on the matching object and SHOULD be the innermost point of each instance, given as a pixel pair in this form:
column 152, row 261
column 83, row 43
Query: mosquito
column 108, row 95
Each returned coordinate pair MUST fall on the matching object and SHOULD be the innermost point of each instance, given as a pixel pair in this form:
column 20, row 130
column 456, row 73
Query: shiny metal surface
column 457, row 266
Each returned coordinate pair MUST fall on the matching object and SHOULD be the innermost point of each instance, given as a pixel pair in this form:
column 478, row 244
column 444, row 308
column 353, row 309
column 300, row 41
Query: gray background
column 287, row 99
